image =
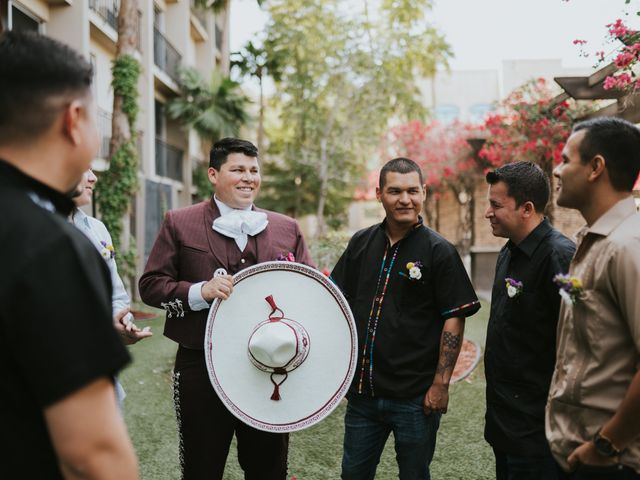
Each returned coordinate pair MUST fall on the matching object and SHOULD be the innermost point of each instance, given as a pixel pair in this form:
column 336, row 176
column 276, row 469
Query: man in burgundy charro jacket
column 197, row 250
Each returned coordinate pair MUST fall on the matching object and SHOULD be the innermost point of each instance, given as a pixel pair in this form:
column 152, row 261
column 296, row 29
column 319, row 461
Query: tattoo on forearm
column 449, row 349
column 450, row 340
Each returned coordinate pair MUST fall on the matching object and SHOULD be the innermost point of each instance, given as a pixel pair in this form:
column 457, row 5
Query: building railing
column 104, row 130
column 200, row 13
column 108, row 11
column 168, row 160
column 165, row 56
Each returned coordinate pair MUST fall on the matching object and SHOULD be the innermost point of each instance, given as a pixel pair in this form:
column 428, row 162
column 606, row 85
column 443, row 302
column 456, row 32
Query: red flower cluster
column 441, row 150
column 618, row 29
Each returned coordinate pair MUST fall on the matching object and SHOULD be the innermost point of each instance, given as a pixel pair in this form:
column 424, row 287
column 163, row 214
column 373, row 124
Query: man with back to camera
column 227, row 232
column 410, row 294
column 593, row 411
column 58, row 348
column 521, row 335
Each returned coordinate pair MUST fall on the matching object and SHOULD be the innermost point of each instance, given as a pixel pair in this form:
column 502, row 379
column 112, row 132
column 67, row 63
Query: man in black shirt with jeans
column 410, row 294
column 521, row 336
column 58, row 348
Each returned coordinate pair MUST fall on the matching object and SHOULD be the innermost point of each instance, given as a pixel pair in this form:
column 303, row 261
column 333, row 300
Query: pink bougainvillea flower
column 618, row 29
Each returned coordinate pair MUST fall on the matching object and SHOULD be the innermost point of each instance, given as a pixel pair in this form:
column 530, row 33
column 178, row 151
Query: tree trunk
column 261, row 119
column 324, row 183
column 224, row 47
column 126, row 45
column 324, row 175
column 550, row 210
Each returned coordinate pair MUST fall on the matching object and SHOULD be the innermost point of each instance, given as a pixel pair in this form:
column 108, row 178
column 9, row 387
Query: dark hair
column 526, row 182
column 618, row 141
column 37, row 76
column 222, row 148
column 399, row 165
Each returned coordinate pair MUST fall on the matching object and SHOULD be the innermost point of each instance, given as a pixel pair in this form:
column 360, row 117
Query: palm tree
column 222, row 7
column 213, row 110
column 253, row 61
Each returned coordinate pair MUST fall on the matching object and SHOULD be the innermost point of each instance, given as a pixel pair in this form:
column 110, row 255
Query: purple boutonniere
column 107, row 251
column 570, row 288
column 288, row 257
column 514, row 287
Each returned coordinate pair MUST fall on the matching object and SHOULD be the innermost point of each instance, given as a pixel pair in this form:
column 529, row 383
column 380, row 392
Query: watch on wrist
column 604, row 446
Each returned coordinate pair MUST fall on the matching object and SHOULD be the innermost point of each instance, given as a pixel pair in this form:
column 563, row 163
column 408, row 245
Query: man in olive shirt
column 593, row 411
column 521, row 336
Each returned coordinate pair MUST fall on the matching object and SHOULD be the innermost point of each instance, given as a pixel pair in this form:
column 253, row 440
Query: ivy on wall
column 120, row 182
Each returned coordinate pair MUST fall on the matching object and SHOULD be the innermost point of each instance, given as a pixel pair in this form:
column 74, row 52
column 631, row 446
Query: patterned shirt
column 400, row 309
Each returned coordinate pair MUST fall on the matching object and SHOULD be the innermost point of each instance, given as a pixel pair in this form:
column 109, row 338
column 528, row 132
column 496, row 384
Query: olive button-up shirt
column 599, row 335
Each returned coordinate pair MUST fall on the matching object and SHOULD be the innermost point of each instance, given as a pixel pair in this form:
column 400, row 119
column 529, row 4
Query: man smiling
column 225, row 234
column 593, row 411
column 410, row 294
column 521, row 335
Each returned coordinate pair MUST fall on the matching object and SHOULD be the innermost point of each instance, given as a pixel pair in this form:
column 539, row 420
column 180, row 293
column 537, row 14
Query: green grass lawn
column 315, row 453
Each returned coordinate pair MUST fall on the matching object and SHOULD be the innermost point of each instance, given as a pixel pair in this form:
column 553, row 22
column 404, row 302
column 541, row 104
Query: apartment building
column 171, row 33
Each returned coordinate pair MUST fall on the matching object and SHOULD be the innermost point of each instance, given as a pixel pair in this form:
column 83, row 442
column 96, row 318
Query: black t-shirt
column 400, row 325
column 56, row 328
column 521, row 340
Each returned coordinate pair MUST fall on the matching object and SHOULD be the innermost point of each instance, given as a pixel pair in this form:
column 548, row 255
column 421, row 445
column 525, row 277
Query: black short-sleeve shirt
column 403, row 340
column 56, row 329
column 521, row 340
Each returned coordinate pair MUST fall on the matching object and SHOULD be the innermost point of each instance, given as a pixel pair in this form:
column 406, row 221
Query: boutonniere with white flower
column 107, row 251
column 288, row 257
column 570, row 288
column 514, row 287
column 414, row 270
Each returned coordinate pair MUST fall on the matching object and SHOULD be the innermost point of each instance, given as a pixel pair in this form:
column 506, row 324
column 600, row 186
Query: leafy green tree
column 213, row 110
column 343, row 78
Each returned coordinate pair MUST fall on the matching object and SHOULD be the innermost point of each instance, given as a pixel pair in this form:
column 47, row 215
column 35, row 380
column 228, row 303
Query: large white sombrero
column 281, row 351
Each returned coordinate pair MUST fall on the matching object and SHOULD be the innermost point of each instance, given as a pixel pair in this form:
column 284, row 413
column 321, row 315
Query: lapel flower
column 514, row 287
column 414, row 272
column 570, row 288
column 288, row 257
column 107, row 252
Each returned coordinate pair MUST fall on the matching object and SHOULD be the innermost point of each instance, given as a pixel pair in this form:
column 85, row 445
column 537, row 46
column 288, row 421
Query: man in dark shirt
column 58, row 348
column 409, row 294
column 521, row 336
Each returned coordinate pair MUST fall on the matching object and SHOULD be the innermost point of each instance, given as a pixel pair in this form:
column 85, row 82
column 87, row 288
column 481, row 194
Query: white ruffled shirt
column 234, row 223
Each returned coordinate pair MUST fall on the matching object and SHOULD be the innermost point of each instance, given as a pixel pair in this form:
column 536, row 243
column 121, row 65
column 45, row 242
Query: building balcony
column 107, row 10
column 169, row 161
column 165, row 56
column 199, row 13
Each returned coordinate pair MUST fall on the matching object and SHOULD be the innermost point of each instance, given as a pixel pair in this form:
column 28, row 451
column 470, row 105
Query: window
column 160, row 120
column 21, row 19
column 447, row 113
column 479, row 111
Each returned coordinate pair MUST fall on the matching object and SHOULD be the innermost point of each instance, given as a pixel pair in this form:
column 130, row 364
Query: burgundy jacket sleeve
column 159, row 282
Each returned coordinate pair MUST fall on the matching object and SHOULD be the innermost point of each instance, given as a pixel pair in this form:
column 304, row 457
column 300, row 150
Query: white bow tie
column 238, row 224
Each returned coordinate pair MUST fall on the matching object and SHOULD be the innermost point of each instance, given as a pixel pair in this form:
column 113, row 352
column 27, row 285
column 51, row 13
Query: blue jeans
column 368, row 423
column 517, row 467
